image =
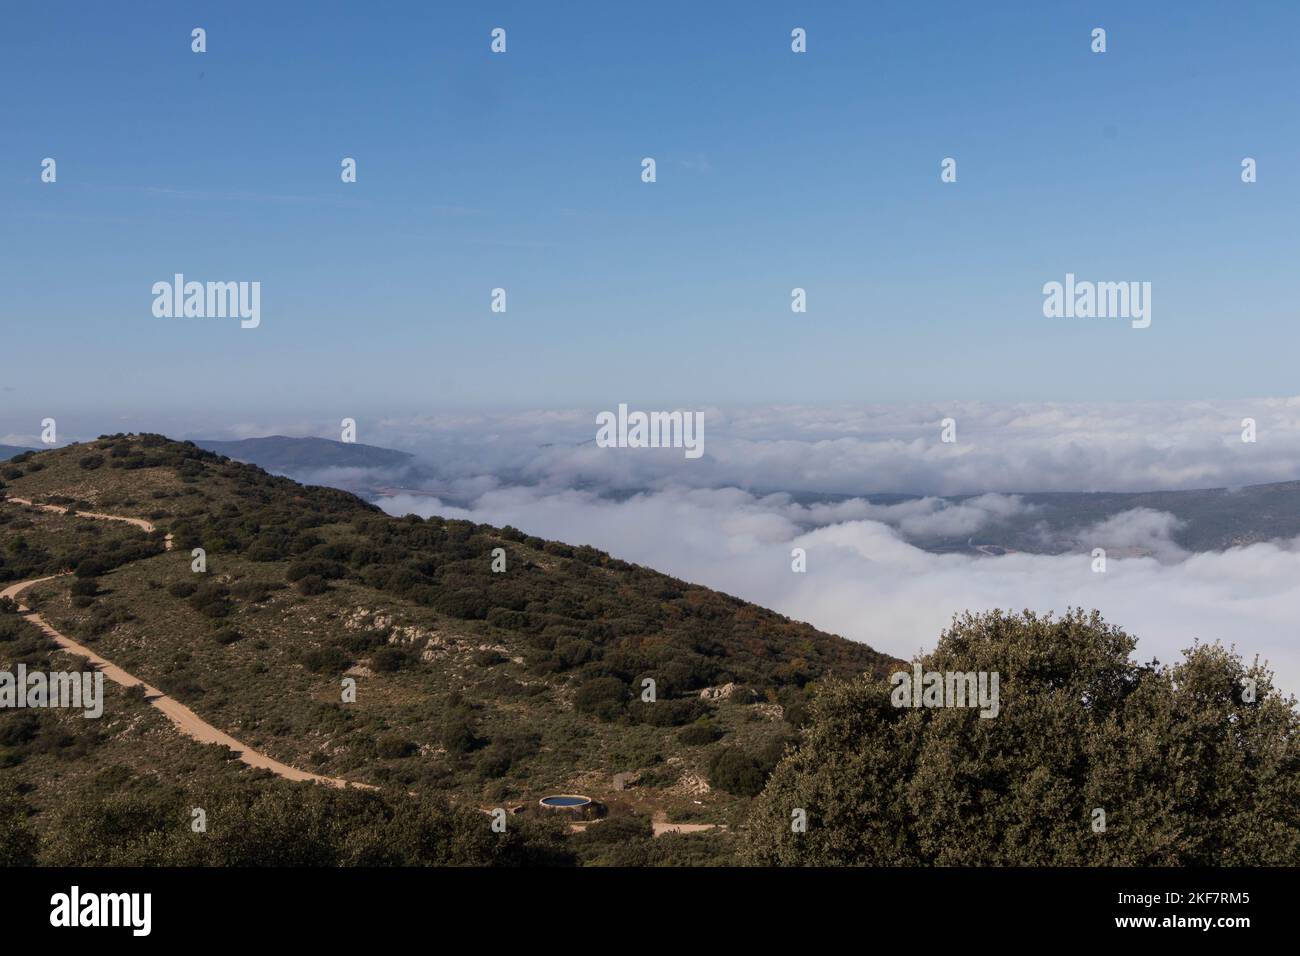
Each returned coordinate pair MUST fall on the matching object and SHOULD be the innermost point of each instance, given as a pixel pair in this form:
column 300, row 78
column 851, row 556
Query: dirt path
column 660, row 825
column 662, row 828
column 145, row 526
column 185, row 720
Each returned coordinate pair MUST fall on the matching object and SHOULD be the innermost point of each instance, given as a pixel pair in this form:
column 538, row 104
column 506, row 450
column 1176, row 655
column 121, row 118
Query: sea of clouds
column 866, row 582
column 731, row 519
column 767, row 484
column 884, row 448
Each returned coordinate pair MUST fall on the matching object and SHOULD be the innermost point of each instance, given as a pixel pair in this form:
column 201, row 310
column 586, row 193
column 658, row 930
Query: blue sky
column 522, row 170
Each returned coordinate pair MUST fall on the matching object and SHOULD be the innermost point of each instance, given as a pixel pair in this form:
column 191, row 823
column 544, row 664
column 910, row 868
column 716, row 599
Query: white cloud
column 858, row 450
column 1139, row 530
column 945, row 520
column 850, row 450
column 866, row 582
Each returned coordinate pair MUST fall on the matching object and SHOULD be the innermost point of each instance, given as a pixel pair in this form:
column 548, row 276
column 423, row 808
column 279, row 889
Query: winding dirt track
column 138, row 522
column 185, row 720
column 190, row 723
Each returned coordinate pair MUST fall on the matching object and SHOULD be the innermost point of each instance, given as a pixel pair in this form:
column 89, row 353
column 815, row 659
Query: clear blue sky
column 523, row 171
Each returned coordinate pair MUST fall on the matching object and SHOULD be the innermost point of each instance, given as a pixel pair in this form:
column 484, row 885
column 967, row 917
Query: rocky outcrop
column 725, row 692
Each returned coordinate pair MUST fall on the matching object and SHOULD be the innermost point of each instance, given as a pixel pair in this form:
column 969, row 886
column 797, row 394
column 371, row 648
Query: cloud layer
column 864, row 581
column 885, row 448
column 730, row 519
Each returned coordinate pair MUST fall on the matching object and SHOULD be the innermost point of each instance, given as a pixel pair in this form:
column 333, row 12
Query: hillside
column 480, row 688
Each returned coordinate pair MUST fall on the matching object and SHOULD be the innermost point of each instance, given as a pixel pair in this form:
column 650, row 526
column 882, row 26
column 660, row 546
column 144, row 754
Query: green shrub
column 740, row 772
column 603, row 697
column 326, row 570
column 702, row 731
column 394, row 747
column 668, row 713
column 329, row 659
column 255, row 592
column 312, row 584
column 493, row 763
column 182, row 589
column 90, row 568
column 212, row 599
column 386, row 660
column 457, row 735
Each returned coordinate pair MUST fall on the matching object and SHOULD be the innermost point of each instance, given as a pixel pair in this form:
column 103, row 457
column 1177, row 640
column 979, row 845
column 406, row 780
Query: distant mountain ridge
column 1210, row 519
column 283, row 453
column 8, row 451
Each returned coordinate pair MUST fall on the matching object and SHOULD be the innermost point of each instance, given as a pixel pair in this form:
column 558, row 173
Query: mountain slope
column 486, row 687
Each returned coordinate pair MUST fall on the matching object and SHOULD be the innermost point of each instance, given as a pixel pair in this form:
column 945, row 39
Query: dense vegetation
column 271, row 823
column 1188, row 766
column 39, row 545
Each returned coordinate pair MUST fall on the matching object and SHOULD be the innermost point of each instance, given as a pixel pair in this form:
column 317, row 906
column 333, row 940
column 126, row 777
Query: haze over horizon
column 838, row 449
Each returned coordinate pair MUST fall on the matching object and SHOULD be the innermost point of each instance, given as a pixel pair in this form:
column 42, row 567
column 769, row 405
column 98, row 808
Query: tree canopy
column 1195, row 763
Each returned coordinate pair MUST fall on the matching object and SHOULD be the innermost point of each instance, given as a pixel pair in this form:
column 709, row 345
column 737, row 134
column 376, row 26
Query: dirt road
column 659, row 822
column 140, row 523
column 185, row 720
column 659, row 825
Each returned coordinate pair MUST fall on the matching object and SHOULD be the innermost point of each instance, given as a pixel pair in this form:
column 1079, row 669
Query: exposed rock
column 718, row 693
column 771, row 711
column 693, row 783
